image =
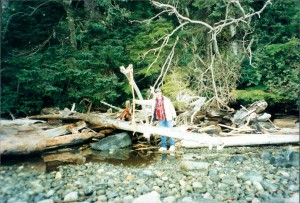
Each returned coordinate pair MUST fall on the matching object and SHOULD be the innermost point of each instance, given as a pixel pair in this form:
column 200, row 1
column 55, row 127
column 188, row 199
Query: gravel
column 240, row 174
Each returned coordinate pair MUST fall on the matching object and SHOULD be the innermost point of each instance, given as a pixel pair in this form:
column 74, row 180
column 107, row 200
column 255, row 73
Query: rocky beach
column 239, row 174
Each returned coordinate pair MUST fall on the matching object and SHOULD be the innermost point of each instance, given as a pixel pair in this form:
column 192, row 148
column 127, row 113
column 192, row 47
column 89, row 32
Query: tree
column 214, row 64
column 274, row 74
column 57, row 60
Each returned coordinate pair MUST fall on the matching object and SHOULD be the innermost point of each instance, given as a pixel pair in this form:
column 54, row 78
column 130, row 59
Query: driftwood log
column 188, row 139
column 248, row 140
column 202, row 138
column 30, row 139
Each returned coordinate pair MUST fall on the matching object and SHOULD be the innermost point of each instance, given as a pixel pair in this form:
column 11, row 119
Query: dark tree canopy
column 56, row 53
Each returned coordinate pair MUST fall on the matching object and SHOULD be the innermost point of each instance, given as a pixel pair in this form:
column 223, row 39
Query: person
column 164, row 112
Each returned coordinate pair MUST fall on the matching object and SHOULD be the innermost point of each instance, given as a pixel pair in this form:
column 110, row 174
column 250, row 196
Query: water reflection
column 50, row 160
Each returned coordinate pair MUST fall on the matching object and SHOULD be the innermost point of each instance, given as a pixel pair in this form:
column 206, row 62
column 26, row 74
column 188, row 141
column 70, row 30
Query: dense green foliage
column 63, row 57
column 276, row 69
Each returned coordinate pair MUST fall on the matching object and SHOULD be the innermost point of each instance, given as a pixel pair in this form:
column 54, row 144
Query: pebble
column 214, row 179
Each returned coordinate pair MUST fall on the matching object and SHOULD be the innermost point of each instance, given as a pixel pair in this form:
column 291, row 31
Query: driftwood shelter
column 198, row 126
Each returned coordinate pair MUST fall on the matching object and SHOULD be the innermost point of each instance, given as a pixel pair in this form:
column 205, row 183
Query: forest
column 58, row 52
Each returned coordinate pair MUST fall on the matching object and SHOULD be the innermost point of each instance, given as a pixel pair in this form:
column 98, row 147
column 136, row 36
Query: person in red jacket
column 164, row 112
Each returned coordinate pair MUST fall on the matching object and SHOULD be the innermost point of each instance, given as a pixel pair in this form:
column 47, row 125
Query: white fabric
column 169, row 108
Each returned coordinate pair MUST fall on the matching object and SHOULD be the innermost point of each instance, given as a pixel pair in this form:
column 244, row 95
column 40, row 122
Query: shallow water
column 50, row 160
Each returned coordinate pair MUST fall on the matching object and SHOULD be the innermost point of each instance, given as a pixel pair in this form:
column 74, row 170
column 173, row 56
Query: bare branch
column 164, row 43
column 220, row 82
column 35, row 49
column 168, row 61
column 160, row 5
column 19, row 13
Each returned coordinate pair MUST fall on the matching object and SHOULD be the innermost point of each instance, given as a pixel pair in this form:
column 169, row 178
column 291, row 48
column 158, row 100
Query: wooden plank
column 71, row 139
column 62, row 130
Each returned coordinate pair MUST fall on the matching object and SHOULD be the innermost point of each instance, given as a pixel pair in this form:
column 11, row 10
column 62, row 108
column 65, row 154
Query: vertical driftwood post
column 128, row 72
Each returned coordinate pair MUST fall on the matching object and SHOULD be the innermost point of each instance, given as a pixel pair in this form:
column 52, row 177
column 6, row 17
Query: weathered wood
column 247, row 140
column 71, row 139
column 127, row 71
column 53, row 160
column 16, row 141
column 62, row 130
column 147, row 129
column 19, row 122
column 58, row 117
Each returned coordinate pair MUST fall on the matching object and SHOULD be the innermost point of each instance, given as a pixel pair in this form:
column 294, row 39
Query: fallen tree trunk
column 62, row 130
column 13, row 140
column 188, row 139
column 71, row 139
column 28, row 139
column 248, row 140
column 147, row 129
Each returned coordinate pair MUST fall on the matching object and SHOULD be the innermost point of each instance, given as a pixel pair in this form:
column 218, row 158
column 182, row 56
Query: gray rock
column 258, row 186
column 111, row 194
column 203, row 200
column 89, row 190
column 215, row 178
column 230, row 180
column 293, row 158
column 253, row 176
column 50, row 193
column 266, row 156
column 187, row 200
column 293, row 188
column 286, row 158
column 72, row 196
column 197, row 185
column 152, row 197
column 237, row 159
column 101, row 198
column 194, row 165
column 269, row 186
column 46, row 201
column 116, row 141
column 149, row 173
column 169, row 199
column 212, row 172
column 128, row 199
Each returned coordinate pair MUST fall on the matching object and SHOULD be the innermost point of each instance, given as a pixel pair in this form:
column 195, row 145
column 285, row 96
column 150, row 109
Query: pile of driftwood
column 206, row 128
column 198, row 125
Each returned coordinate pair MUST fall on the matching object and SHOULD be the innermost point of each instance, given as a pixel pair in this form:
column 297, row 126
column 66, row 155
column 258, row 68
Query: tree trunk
column 189, row 139
column 71, row 139
column 62, row 130
column 29, row 139
column 71, row 24
column 147, row 129
column 248, row 140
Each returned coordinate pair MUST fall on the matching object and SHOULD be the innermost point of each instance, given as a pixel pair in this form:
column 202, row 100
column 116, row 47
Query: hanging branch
column 23, row 14
column 168, row 61
column 213, row 30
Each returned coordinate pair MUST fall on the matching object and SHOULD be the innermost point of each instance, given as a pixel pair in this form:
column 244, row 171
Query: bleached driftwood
column 189, row 139
column 248, row 140
column 24, row 121
column 62, row 130
column 30, row 139
column 148, row 129
column 71, row 139
column 128, row 72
